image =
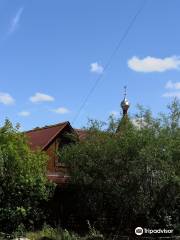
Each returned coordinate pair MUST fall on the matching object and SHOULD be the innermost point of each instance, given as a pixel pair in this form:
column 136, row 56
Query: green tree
column 24, row 188
column 131, row 177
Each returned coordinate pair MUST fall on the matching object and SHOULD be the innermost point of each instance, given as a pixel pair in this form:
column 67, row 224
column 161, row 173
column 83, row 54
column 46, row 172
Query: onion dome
column 125, row 104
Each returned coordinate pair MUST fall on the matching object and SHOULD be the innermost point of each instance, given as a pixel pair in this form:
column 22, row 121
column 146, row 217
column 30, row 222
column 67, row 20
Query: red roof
column 42, row 137
column 81, row 133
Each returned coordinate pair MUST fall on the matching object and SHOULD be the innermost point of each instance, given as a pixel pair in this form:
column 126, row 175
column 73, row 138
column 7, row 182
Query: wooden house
column 52, row 139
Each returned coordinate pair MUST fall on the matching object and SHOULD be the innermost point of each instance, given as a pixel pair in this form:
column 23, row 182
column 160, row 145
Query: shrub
column 24, row 188
column 131, row 177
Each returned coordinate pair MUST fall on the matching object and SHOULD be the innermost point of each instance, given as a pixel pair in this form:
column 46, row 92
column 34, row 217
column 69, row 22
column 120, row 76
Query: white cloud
column 15, row 21
column 6, row 99
column 24, row 113
column 171, row 85
column 152, row 64
column 61, row 110
column 41, row 97
column 96, row 68
column 172, row 94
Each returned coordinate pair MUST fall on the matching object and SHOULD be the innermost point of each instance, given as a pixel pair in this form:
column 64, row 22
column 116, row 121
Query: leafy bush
column 24, row 188
column 130, row 177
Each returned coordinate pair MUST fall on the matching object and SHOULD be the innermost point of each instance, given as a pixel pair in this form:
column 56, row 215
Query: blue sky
column 52, row 52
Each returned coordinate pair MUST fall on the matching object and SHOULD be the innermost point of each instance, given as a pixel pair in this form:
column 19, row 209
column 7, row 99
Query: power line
column 110, row 58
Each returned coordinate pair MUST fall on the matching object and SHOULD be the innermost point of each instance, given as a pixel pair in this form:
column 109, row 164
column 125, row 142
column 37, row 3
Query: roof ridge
column 47, row 126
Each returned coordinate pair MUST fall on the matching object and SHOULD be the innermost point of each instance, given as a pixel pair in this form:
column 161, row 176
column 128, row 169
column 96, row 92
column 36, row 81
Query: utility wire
column 106, row 66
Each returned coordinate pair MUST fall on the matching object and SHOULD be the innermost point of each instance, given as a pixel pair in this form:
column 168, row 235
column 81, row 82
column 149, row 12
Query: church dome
column 125, row 104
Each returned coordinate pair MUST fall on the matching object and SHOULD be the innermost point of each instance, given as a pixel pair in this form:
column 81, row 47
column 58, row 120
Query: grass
column 48, row 233
column 53, row 234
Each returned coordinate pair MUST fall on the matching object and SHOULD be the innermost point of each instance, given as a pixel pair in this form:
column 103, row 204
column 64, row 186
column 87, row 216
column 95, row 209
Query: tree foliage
column 131, row 177
column 24, row 188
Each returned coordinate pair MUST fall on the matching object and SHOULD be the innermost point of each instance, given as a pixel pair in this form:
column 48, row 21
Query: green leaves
column 133, row 166
column 22, row 179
